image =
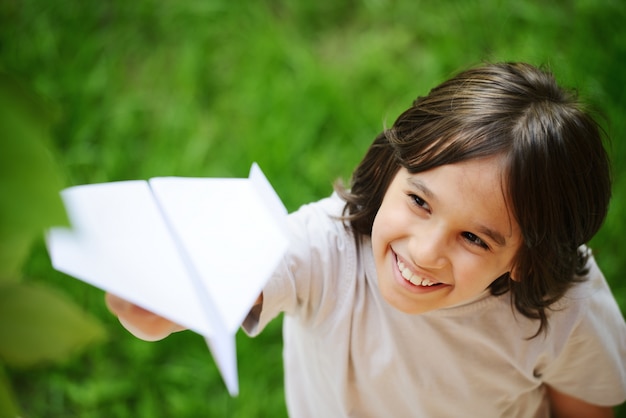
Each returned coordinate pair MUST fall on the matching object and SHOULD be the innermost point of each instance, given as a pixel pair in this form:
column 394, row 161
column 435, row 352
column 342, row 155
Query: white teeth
column 414, row 279
column 406, row 273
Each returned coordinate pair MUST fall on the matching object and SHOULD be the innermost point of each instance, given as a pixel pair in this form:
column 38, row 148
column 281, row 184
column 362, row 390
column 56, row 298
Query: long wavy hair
column 558, row 171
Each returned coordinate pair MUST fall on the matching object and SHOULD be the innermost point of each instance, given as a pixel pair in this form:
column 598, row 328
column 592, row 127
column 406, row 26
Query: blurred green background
column 205, row 87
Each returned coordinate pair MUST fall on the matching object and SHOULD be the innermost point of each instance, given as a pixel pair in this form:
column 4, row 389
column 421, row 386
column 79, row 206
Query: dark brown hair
column 558, row 171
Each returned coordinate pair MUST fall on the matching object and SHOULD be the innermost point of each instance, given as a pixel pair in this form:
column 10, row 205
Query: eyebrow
column 494, row 235
column 421, row 186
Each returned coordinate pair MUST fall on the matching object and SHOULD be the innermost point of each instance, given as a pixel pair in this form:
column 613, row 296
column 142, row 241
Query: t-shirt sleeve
column 279, row 295
column 320, row 250
column 592, row 363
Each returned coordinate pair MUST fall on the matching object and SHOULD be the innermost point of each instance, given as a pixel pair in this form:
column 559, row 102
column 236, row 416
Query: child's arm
column 565, row 406
column 144, row 324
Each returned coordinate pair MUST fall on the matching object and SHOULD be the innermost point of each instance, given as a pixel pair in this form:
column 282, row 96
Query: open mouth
column 414, row 279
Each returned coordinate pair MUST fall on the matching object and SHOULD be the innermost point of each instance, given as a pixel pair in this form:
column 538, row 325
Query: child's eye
column 475, row 240
column 418, row 201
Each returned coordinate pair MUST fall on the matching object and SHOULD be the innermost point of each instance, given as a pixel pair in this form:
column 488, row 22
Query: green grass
column 205, row 87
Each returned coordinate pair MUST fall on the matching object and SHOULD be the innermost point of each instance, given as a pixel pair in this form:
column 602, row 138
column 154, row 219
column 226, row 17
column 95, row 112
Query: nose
column 429, row 247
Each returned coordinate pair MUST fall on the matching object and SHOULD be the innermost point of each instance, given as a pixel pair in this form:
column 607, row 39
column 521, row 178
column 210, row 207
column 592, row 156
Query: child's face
column 449, row 226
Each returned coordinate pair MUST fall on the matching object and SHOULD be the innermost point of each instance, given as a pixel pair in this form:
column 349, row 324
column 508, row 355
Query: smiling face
column 441, row 237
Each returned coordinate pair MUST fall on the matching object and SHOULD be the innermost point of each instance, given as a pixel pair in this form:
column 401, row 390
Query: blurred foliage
column 205, row 87
column 29, row 179
column 37, row 324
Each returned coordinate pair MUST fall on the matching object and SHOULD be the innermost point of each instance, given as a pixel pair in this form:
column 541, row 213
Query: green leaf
column 30, row 179
column 13, row 252
column 8, row 404
column 37, row 325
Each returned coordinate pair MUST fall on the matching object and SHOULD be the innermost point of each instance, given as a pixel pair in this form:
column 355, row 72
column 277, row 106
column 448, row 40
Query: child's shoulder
column 589, row 303
column 586, row 327
column 592, row 286
column 332, row 205
column 322, row 216
column 321, row 226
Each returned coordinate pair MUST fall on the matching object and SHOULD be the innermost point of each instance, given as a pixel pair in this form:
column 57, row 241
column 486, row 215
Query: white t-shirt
column 348, row 353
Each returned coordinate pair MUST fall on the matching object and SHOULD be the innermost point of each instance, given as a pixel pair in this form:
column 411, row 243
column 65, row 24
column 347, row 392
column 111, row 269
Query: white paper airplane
column 197, row 251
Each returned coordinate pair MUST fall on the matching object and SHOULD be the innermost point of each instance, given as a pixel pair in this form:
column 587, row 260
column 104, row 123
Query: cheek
column 381, row 229
column 375, row 236
column 387, row 214
column 487, row 275
column 380, row 246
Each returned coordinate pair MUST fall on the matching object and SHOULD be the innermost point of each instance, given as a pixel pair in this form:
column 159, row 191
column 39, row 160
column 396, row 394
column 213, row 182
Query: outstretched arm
column 144, row 324
column 565, row 406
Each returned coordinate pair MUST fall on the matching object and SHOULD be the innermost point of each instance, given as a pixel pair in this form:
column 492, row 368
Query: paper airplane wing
column 197, row 251
column 119, row 242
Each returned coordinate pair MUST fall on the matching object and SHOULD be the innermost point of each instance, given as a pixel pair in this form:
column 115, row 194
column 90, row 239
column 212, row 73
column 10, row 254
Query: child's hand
column 141, row 323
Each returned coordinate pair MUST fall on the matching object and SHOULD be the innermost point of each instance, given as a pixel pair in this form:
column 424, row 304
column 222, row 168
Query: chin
column 404, row 304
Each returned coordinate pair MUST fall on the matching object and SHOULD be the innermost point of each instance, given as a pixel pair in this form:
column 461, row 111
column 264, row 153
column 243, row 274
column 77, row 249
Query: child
column 452, row 278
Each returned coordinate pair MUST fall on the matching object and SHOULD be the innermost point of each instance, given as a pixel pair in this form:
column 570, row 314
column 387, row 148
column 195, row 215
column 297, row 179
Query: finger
column 116, row 304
